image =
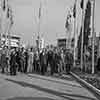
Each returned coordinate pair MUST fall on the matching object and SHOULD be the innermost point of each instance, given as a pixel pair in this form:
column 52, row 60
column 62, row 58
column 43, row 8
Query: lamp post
column 1, row 25
column 93, row 35
column 82, row 37
column 38, row 37
column 75, row 34
column 33, row 39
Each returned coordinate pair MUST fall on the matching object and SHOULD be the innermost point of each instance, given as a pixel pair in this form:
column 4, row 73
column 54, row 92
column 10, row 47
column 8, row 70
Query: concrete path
column 36, row 87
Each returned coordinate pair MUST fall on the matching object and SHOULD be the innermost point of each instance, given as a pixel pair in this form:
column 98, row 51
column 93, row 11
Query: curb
column 92, row 88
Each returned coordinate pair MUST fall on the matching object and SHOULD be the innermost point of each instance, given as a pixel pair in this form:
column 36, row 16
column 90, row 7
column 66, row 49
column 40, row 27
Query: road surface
column 37, row 87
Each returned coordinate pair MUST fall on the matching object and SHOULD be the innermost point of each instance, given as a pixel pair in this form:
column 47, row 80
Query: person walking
column 56, row 60
column 37, row 62
column 30, row 60
column 62, row 61
column 43, row 61
column 50, row 60
column 26, row 60
column 22, row 60
column 98, row 65
column 68, row 61
column 18, row 59
column 60, row 69
column 4, row 63
column 13, row 63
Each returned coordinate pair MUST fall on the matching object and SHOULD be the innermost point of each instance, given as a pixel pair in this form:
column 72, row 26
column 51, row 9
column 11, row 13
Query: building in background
column 65, row 43
column 61, row 43
column 14, row 41
column 96, row 47
column 41, row 43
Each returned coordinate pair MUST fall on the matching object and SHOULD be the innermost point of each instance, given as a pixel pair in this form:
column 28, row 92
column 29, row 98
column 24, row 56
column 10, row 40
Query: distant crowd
column 44, row 61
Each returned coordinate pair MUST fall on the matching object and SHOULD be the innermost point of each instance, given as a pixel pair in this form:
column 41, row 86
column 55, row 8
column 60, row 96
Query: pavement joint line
column 86, row 83
column 50, row 78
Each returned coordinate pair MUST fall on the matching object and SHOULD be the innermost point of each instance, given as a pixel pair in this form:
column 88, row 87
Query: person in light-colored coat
column 30, row 60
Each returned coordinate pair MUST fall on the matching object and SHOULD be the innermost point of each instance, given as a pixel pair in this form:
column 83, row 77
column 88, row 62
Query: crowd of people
column 44, row 61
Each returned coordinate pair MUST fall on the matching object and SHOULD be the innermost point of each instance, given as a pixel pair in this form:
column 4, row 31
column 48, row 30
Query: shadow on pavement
column 53, row 92
column 29, row 98
column 37, row 77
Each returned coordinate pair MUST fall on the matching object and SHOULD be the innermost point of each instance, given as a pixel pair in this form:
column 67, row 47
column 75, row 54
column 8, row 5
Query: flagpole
column 99, row 46
column 38, row 35
column 10, row 23
column 75, row 34
column 39, row 27
column 82, row 36
column 93, row 37
column 1, row 27
column 6, row 38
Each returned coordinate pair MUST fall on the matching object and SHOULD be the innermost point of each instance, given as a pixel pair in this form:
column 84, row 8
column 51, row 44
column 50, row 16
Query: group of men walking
column 44, row 61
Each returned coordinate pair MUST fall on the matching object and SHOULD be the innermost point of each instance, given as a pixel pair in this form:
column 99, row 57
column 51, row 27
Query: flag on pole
column 4, row 5
column 8, row 12
column 11, row 19
column 82, row 4
column 74, row 10
column 9, row 15
column 40, row 10
column 67, row 21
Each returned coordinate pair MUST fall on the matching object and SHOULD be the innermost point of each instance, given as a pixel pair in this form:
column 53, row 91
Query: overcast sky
column 54, row 13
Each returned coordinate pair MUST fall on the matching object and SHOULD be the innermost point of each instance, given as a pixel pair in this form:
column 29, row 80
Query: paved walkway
column 36, row 87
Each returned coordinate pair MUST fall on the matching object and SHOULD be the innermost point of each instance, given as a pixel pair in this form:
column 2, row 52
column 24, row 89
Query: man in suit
column 26, row 60
column 98, row 64
column 43, row 61
column 68, row 61
column 13, row 63
column 50, row 60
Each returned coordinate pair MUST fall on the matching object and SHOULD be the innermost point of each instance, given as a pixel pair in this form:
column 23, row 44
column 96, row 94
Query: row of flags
column 6, row 8
column 82, row 4
column 4, row 5
column 74, row 13
column 6, row 21
column 74, row 10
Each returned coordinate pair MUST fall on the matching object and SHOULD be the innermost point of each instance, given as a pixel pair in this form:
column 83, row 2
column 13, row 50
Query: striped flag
column 9, row 15
column 8, row 12
column 11, row 20
column 74, row 10
column 4, row 5
column 67, row 24
column 82, row 4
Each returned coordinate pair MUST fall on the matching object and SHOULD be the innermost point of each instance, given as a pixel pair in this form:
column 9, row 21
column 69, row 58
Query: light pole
column 93, row 35
column 75, row 34
column 39, row 23
column 10, row 23
column 1, row 12
column 33, row 39
column 82, row 36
